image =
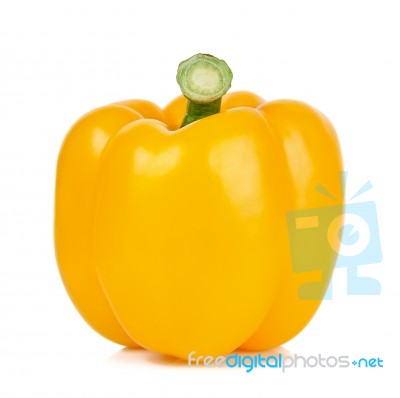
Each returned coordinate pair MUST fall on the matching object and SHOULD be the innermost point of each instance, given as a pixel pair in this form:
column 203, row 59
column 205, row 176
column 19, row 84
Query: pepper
column 170, row 224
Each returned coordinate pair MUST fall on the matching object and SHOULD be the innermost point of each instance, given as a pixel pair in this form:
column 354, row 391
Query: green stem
column 198, row 111
column 203, row 79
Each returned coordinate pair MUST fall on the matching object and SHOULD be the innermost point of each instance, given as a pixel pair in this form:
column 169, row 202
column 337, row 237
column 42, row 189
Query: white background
column 59, row 59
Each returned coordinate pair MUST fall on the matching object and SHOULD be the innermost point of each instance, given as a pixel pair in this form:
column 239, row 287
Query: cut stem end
column 203, row 80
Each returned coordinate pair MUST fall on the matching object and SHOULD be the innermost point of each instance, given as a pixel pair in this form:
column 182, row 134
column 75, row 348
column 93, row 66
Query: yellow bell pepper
column 174, row 237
